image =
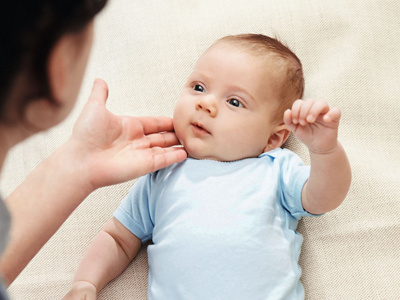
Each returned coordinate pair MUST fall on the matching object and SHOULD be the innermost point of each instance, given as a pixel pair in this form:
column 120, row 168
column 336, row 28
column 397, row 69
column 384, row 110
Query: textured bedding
column 350, row 53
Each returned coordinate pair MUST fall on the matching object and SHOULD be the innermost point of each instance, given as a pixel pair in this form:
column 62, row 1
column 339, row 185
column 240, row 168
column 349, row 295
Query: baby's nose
column 207, row 104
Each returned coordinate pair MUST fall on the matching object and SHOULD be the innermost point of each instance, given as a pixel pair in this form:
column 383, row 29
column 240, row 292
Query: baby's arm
column 106, row 257
column 316, row 125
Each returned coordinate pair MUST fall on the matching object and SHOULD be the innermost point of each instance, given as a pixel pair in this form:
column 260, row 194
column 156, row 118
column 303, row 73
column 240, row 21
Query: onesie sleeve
column 134, row 211
column 293, row 176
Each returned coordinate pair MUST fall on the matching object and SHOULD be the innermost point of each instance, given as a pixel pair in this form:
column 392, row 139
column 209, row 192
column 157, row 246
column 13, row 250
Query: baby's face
column 226, row 106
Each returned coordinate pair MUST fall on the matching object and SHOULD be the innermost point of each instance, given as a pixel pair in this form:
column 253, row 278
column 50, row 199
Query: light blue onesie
column 221, row 230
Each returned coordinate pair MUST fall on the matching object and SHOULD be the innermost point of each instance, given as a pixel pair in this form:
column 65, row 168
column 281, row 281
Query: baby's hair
column 292, row 82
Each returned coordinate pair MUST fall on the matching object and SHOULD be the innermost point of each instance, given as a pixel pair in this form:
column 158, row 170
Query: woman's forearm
column 39, row 206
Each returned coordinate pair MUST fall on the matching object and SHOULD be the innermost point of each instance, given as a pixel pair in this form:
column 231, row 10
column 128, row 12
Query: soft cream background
column 350, row 51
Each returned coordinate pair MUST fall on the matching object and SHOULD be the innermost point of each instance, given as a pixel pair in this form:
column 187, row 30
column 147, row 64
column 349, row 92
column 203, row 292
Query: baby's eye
column 199, row 88
column 235, row 102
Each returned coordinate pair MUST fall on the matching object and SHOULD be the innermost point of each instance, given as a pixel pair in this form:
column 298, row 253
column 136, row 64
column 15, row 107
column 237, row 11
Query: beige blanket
column 351, row 55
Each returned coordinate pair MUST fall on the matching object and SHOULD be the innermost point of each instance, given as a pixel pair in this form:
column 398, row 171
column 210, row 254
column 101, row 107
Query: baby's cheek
column 179, row 134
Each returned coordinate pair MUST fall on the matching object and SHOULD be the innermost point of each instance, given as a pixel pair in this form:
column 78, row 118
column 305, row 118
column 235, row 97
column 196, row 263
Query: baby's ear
column 278, row 137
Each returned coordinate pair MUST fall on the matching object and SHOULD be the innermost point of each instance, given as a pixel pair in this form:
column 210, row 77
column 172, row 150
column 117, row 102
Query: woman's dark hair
column 28, row 32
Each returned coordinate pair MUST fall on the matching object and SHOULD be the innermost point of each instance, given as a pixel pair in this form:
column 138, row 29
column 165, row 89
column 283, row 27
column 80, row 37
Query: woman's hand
column 112, row 149
column 104, row 149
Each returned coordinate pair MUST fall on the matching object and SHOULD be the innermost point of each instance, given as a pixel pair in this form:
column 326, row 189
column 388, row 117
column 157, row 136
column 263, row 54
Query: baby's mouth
column 199, row 128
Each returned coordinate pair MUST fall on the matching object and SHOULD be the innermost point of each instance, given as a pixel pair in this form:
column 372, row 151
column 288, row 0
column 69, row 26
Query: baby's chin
column 202, row 156
column 195, row 152
column 214, row 156
column 196, row 149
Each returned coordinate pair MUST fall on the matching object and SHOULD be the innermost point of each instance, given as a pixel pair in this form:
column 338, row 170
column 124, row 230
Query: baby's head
column 232, row 105
column 286, row 66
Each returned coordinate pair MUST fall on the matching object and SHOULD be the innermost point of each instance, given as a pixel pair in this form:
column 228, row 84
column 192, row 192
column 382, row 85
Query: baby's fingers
column 288, row 120
column 287, row 117
column 333, row 115
column 295, row 111
column 318, row 108
column 307, row 111
column 306, row 107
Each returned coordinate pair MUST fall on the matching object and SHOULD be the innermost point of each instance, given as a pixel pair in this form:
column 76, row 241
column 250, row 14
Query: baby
column 223, row 222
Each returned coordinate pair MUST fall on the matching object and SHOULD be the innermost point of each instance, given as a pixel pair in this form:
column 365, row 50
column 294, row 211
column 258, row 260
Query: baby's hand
column 314, row 124
column 81, row 290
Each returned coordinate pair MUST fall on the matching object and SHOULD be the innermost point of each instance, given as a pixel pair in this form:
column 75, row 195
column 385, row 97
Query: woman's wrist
column 70, row 166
